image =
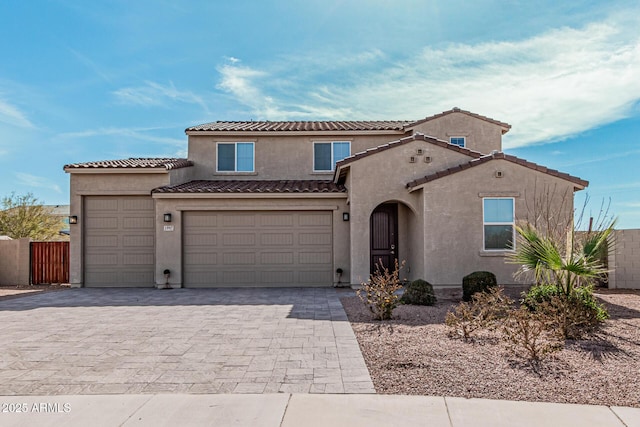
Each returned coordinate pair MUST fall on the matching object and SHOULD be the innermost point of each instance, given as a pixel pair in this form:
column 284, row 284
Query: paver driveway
column 101, row 341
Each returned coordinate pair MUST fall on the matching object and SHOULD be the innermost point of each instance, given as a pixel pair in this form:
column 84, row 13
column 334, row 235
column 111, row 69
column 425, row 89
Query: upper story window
column 460, row 141
column 235, row 157
column 327, row 154
column 499, row 223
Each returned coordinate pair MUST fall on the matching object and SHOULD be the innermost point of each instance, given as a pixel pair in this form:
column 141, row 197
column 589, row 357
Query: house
column 309, row 204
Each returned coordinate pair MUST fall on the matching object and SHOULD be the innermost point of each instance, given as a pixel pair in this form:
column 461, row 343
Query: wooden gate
column 49, row 262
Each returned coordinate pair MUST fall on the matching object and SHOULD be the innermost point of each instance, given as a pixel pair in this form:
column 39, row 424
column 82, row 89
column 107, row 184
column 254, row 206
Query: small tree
column 24, row 216
column 380, row 292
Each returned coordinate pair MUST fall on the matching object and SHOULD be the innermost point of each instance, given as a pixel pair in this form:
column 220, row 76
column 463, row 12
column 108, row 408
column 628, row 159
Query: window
column 457, row 140
column 235, row 157
column 327, row 154
column 499, row 229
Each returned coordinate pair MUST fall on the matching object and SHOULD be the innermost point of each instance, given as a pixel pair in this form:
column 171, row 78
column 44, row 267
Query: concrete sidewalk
column 285, row 410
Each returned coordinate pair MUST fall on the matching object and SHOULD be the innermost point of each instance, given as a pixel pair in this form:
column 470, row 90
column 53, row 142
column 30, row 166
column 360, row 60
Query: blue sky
column 96, row 80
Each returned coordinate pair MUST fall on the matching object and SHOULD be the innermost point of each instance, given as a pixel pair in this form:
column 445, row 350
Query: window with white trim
column 460, row 141
column 327, row 154
column 235, row 157
column 498, row 223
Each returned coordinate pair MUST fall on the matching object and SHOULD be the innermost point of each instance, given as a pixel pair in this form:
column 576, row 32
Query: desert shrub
column 572, row 315
column 530, row 333
column 478, row 281
column 418, row 292
column 484, row 312
column 379, row 293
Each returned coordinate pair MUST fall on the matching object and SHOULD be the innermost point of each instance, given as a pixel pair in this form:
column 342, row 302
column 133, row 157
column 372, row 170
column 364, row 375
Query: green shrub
column 418, row 292
column 479, row 281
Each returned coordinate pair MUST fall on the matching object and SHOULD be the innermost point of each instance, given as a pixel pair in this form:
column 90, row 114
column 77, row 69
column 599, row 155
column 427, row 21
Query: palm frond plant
column 569, row 265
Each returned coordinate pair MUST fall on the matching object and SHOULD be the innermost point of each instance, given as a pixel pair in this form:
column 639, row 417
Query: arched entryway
column 383, row 236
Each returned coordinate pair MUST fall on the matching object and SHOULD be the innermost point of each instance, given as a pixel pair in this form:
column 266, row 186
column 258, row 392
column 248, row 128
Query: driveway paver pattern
column 115, row 341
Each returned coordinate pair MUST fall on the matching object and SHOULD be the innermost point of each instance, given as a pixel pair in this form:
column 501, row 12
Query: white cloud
column 12, row 115
column 37, row 181
column 155, row 94
column 549, row 87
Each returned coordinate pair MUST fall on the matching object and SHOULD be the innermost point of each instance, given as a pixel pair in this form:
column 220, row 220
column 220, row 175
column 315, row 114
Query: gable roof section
column 505, row 126
column 580, row 183
column 132, row 163
column 381, row 148
column 253, row 186
column 304, row 126
column 393, row 126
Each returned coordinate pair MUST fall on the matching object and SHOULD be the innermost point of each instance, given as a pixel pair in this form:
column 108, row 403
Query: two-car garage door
column 257, row 248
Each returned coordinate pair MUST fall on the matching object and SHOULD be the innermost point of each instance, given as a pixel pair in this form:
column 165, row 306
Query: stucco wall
column 480, row 135
column 380, row 178
column 14, row 262
column 453, row 218
column 276, row 157
column 169, row 243
column 624, row 260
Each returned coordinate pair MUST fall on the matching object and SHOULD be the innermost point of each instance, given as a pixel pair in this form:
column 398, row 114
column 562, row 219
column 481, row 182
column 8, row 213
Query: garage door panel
column 239, row 239
column 238, row 220
column 119, row 241
column 290, row 248
column 278, row 277
column 138, row 223
column 314, row 220
column 276, row 258
column 101, row 223
column 137, row 241
column 276, row 239
column 137, row 259
column 201, row 240
column 195, row 259
column 239, row 258
column 276, row 220
column 314, row 239
column 310, row 258
column 137, row 204
column 100, row 242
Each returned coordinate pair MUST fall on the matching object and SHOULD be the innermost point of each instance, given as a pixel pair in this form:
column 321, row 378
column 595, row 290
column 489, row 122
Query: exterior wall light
column 167, row 217
column 73, row 219
column 345, row 216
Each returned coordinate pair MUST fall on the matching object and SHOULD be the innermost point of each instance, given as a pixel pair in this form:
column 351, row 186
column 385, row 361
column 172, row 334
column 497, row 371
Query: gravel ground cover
column 413, row 354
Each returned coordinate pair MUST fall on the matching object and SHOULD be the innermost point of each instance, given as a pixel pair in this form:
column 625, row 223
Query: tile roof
column 415, row 137
column 494, row 156
column 505, row 126
column 167, row 163
column 330, row 125
column 254, row 186
column 313, row 126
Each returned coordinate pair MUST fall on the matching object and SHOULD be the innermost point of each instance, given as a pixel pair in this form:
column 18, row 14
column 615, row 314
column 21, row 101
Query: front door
column 384, row 236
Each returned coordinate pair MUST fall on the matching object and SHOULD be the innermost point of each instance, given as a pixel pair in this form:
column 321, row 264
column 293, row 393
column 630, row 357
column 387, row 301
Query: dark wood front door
column 384, row 236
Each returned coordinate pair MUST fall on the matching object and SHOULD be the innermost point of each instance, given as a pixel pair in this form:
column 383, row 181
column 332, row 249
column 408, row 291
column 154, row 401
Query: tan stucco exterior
column 440, row 223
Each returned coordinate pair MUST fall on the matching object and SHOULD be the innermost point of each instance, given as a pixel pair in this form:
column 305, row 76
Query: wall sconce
column 73, row 219
column 345, row 216
column 167, row 217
